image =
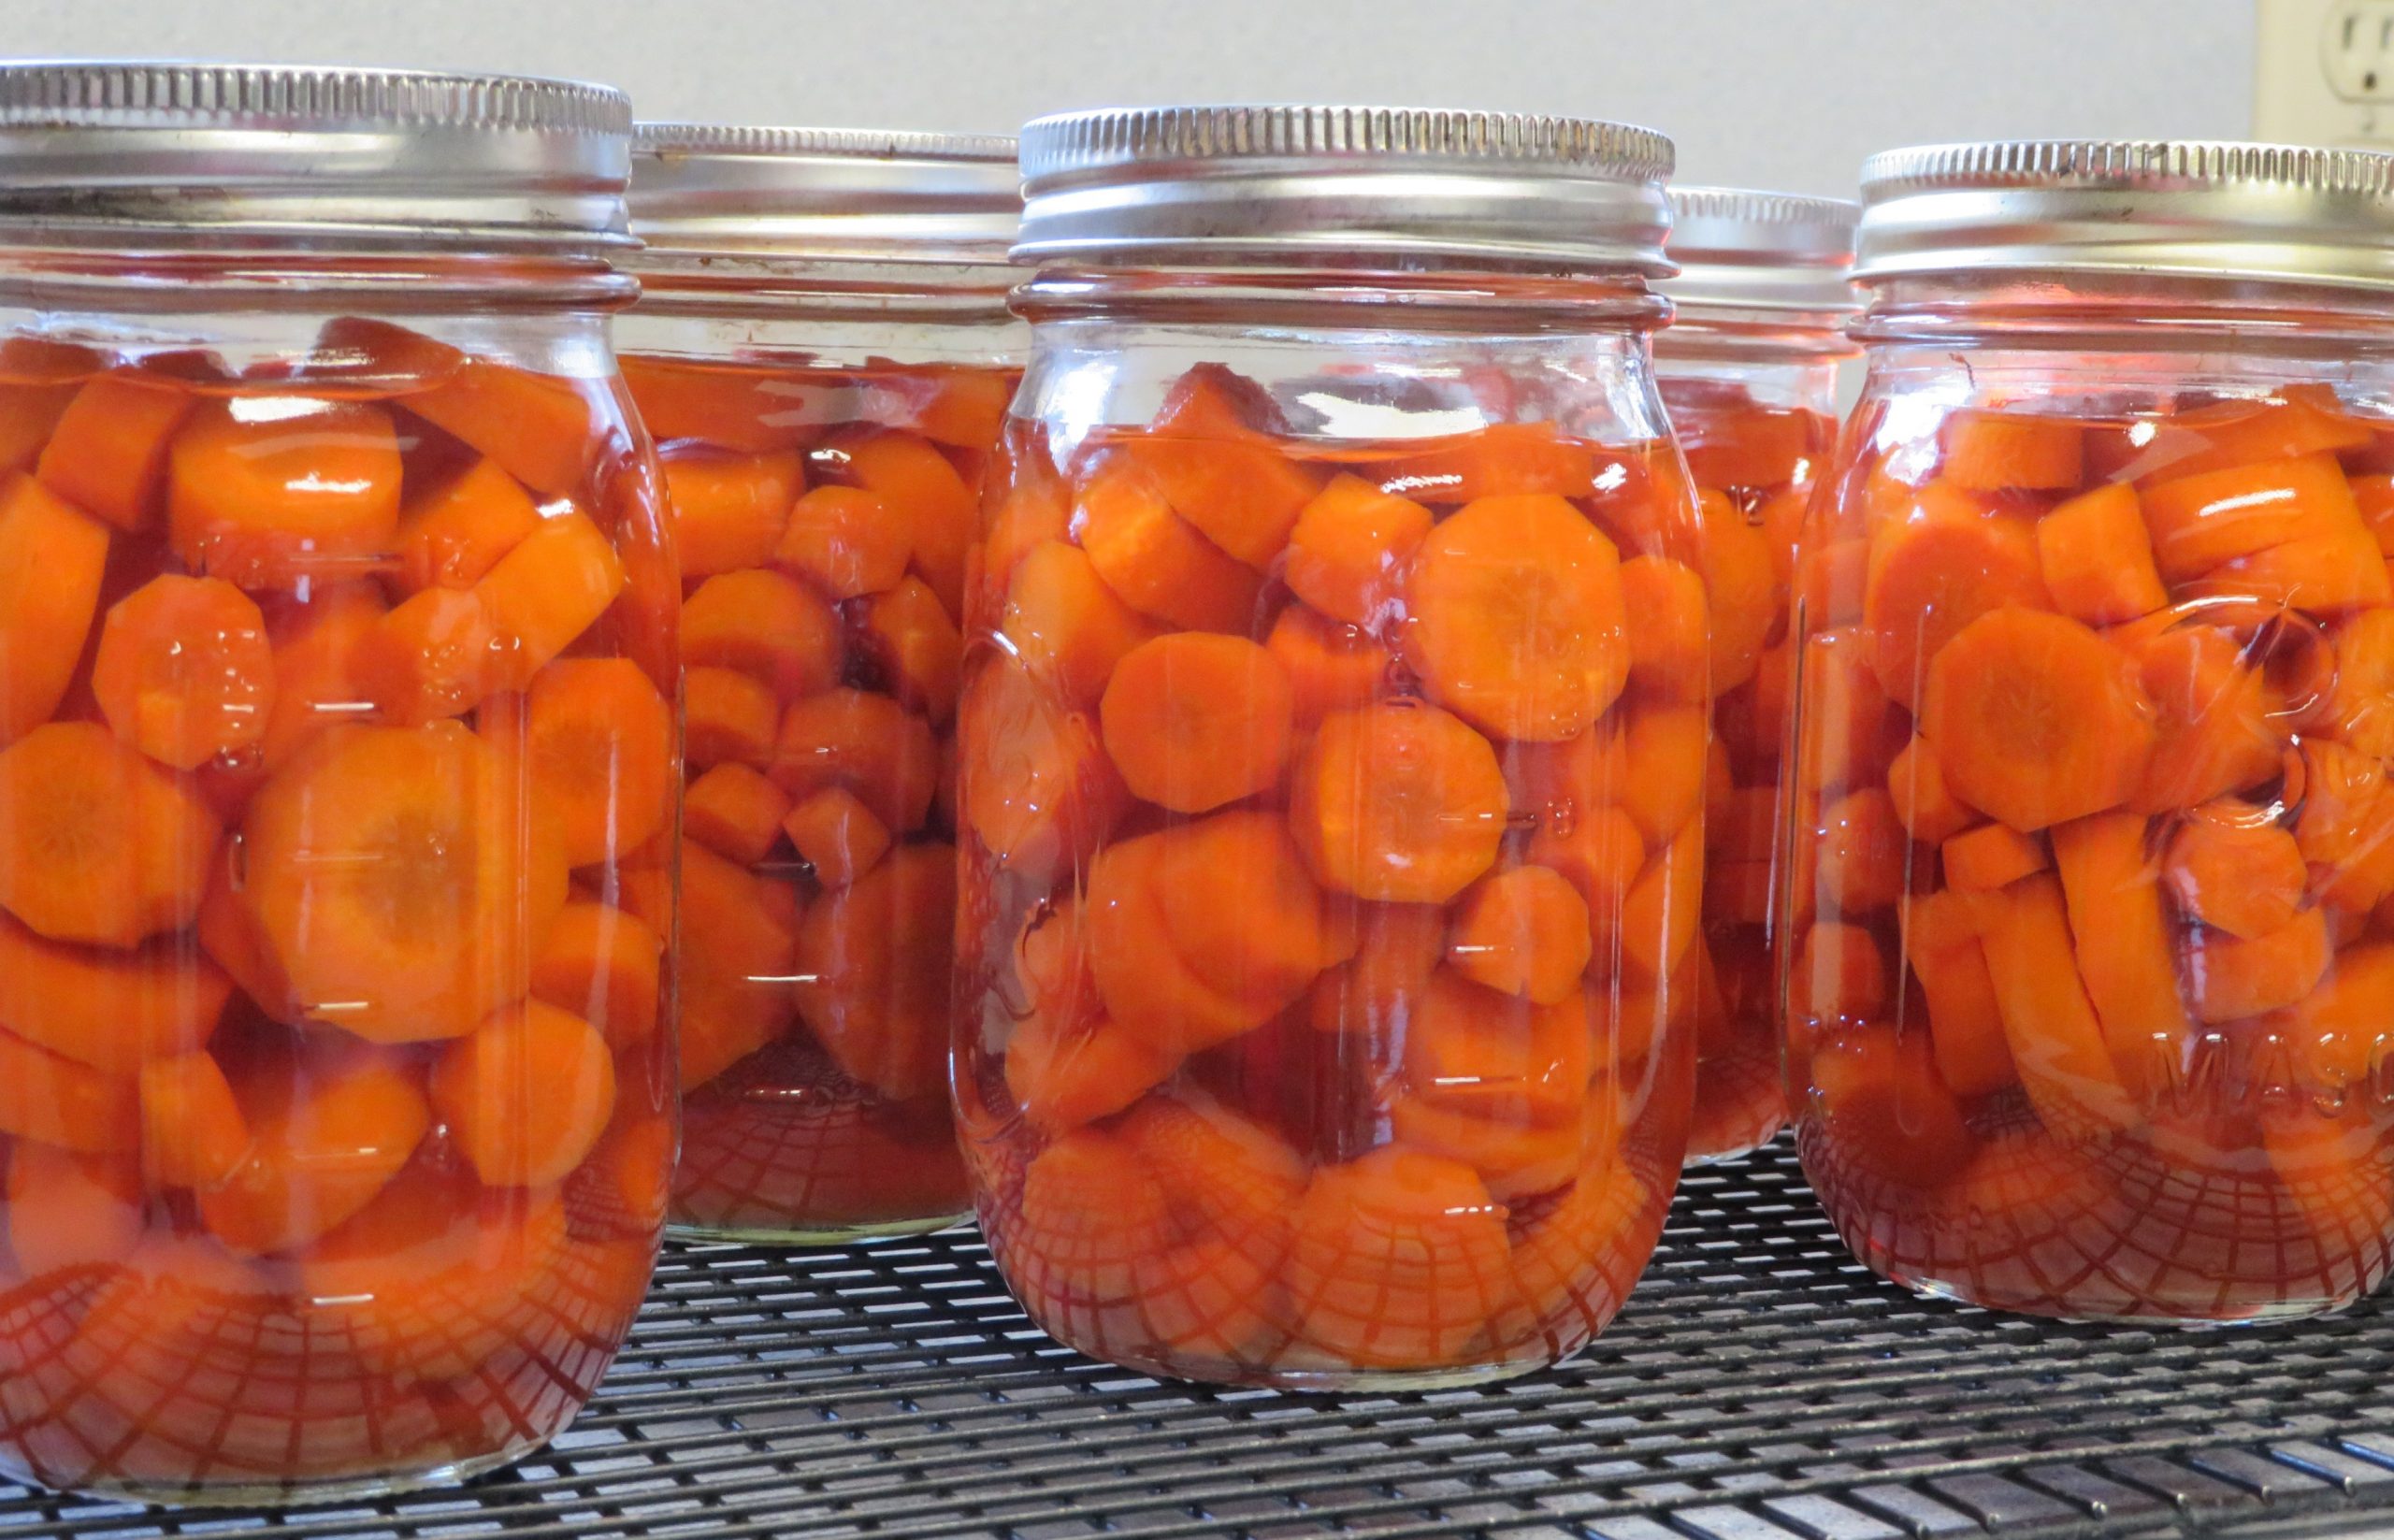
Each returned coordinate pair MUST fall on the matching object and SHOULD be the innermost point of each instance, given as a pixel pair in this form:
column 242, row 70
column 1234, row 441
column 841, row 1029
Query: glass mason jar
column 1331, row 834
column 2090, row 850
column 823, row 351
column 1749, row 371
column 336, row 758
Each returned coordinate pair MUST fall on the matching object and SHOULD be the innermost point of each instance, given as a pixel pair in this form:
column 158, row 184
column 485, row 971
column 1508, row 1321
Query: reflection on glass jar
column 1331, row 833
column 2089, row 846
column 337, row 745
column 825, row 379
column 1749, row 369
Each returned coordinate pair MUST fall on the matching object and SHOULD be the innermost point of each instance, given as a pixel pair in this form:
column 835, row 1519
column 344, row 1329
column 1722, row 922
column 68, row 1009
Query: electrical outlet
column 2324, row 72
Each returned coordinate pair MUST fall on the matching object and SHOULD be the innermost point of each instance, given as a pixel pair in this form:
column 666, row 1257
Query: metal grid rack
column 1759, row 1387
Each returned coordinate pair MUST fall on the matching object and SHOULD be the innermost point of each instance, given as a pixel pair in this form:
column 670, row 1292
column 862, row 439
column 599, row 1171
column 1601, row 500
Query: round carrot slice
column 918, row 487
column 1037, row 785
column 1745, row 591
column 184, row 671
column 1065, row 1075
column 329, row 1129
column 766, row 626
column 98, row 845
column 736, row 812
column 2057, row 1041
column 51, row 562
column 526, row 1095
column 1348, row 550
column 1862, row 852
column 1401, row 1262
column 193, row 1130
column 2035, row 719
column 49, row 1100
column 1065, row 624
column 1195, row 719
column 1517, row 620
column 1147, row 987
column 1667, row 646
column 1225, row 1174
column 402, row 881
column 114, row 1011
column 1156, row 561
column 2216, row 721
column 1934, row 572
column 1089, row 1215
column 2228, row 978
column 264, row 492
column 2232, row 869
column 865, row 742
column 1522, row 931
column 728, row 510
column 914, row 647
column 1242, row 911
column 845, row 541
column 1330, row 666
column 602, row 965
column 598, row 747
column 872, row 971
column 1401, row 802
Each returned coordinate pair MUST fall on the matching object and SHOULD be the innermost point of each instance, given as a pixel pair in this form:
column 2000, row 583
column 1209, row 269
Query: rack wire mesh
column 1760, row 1386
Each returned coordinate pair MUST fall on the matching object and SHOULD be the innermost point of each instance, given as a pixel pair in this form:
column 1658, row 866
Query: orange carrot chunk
column 184, row 671
column 1745, row 590
column 193, row 1132
column 1659, row 780
column 1401, row 1261
column 1065, row 625
column 323, row 1142
column 2201, row 522
column 872, row 971
column 1064, row 1075
column 1944, row 565
column 914, row 646
column 2097, row 559
column 2359, row 709
column 544, row 594
column 1398, row 802
column 2112, row 884
column 1925, row 806
column 2056, row 1040
column 602, row 965
column 1039, row 786
column 2035, row 719
column 728, row 719
column 452, row 535
column 526, row 1095
column 1349, row 548
column 28, row 412
column 916, row 484
column 53, row 1101
column 1147, row 987
column 739, row 947
column 1990, row 855
column 765, row 626
column 1660, row 912
column 1194, row 720
column 1522, row 931
column 598, row 740
column 729, row 511
column 1330, row 666
column 1518, row 622
column 1155, row 561
column 114, row 1011
column 2235, row 871
column 845, row 541
column 319, row 646
column 1241, row 912
column 735, row 812
column 1505, row 459
column 1839, row 973
column 1091, row 1216
column 835, row 833
column 1965, row 1017
column 1861, row 852
column 543, row 428
column 108, row 455
column 97, row 844
column 2228, row 977
column 1990, row 451
column 2215, row 728
column 1669, row 627
column 265, row 492
column 864, row 741
column 436, row 655
column 739, row 408
column 1242, row 495
column 51, row 562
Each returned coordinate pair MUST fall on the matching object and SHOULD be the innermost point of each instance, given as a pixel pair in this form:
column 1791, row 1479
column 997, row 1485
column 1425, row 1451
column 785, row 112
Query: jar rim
column 1745, row 249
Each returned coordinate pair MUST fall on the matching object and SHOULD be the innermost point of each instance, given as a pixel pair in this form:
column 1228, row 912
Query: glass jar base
column 811, row 1235
column 1723, row 1156
column 2258, row 1314
column 306, row 1493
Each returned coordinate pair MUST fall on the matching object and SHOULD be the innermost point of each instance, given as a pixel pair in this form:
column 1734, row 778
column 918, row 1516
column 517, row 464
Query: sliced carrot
column 1660, row 912
column 113, row 1011
column 1886, row 1114
column 402, row 880
column 107, row 453
column 866, row 743
column 97, row 844
column 1831, row 585
column 2359, row 709
column 914, row 646
column 2228, row 977
column 735, row 812
column 1660, row 779
column 1923, row 805
column 962, row 405
column 737, row 950
column 1348, row 549
column 737, row 407
column 2328, row 574
column 1847, row 732
column 1838, row 973
column 545, row 429
column 1965, row 1016
column 597, row 746
column 1237, row 492
column 1330, row 666
column 1505, row 459
column 1992, row 450
column 1671, row 625
column 1933, row 573
column 1401, row 1261
column 1037, row 785
column 729, row 509
column 2213, row 719
column 1065, row 625
column 2058, row 1041
column 1517, row 617
column 1523, row 931
column 69, row 1209
column 51, row 563
column 1861, row 854
column 1149, row 989
column 1241, row 910
column 1491, row 1054
column 452, row 535
column 1033, row 511
column 2035, row 719
column 1399, row 803
column 2233, row 870
column 193, row 1132
column 1193, row 720
column 328, row 1136
column 835, row 833
column 435, row 655
column 1064, row 1075
column 1090, row 1213
column 1371, row 995
column 933, row 506
column 1156, row 561
column 1990, row 856
column 872, row 971
column 602, row 965
column 843, row 540
column 728, row 719
column 1742, row 445
column 319, row 648
column 1745, row 591
column 526, row 1095
column 2201, row 522
column 227, row 931
column 2228, row 434
column 27, row 413
column 1516, row 1161
column 184, row 670
column 543, row 594
column 2374, row 496
column 767, row 626
column 1224, row 1174
column 2345, row 827
column 1600, row 853
column 2097, row 558
column 48, row 1099
column 266, row 491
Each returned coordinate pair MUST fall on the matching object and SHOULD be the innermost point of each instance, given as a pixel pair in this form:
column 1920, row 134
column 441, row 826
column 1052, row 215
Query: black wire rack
column 1760, row 1386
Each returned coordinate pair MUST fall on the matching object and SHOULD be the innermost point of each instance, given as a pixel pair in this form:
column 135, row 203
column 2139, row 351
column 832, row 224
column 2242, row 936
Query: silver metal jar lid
column 834, row 193
column 148, row 155
column 2267, row 212
column 1751, row 251
column 1317, row 185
